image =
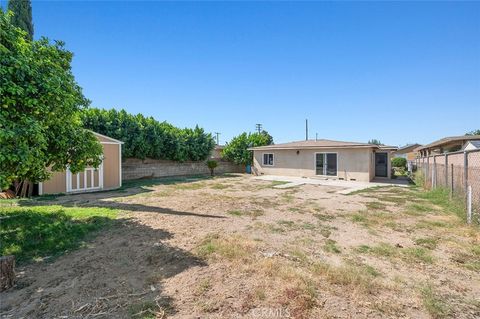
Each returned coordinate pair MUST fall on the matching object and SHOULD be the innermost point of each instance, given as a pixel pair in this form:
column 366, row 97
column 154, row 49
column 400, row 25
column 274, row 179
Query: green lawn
column 34, row 232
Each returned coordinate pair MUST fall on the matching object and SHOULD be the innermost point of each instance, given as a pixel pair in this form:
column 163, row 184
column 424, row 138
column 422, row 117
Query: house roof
column 321, row 143
column 446, row 140
column 408, row 148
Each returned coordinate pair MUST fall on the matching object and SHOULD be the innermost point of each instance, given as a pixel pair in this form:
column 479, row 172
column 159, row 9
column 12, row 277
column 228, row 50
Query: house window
column 326, row 164
column 268, row 159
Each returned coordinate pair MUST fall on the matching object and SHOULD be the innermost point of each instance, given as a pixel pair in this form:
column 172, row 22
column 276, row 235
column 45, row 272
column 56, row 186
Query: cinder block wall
column 133, row 168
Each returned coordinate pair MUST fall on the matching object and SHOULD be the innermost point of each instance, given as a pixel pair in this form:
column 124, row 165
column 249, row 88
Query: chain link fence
column 459, row 172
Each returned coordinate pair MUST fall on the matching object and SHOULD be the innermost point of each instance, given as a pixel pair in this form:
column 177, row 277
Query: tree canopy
column 146, row 137
column 375, row 141
column 474, row 132
column 237, row 149
column 40, row 106
column 22, row 18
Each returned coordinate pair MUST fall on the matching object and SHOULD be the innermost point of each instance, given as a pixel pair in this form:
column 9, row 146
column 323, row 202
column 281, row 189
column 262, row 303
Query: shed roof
column 321, row 143
column 110, row 139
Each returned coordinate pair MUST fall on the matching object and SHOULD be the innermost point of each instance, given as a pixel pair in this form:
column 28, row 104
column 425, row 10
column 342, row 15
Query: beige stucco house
column 324, row 159
column 107, row 176
column 217, row 151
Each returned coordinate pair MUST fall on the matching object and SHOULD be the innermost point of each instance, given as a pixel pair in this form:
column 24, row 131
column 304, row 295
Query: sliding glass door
column 326, row 164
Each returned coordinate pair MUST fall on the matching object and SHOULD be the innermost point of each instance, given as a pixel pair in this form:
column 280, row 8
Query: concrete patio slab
column 345, row 187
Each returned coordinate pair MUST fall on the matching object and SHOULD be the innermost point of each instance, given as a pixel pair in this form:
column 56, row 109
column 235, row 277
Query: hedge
column 399, row 162
column 146, row 137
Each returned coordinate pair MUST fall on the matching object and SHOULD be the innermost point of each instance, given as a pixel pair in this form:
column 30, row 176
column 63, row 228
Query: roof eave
column 447, row 140
column 262, row 148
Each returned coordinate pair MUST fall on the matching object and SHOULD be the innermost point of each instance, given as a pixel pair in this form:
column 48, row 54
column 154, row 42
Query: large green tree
column 40, row 106
column 237, row 149
column 22, row 10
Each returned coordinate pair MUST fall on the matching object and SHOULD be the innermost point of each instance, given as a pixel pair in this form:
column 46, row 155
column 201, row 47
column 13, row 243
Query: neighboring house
column 217, row 151
column 408, row 152
column 107, row 176
column 471, row 145
column 446, row 145
column 324, row 158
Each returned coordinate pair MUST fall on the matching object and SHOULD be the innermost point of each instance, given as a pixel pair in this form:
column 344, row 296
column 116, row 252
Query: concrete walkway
column 346, row 186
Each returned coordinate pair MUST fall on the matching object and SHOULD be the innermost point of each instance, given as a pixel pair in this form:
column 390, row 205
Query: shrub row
column 146, row 137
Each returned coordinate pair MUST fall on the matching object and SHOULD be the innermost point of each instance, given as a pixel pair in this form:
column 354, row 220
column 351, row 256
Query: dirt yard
column 236, row 247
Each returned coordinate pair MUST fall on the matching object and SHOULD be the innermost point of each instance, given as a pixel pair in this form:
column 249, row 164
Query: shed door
column 89, row 179
column 381, row 165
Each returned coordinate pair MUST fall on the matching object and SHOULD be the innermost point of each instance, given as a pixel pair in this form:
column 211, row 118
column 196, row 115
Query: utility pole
column 316, row 136
column 217, row 134
column 258, row 128
column 306, row 129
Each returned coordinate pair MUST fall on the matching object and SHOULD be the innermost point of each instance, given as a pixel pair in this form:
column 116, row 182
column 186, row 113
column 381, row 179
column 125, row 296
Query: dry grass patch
column 380, row 250
column 220, row 186
column 215, row 247
column 375, row 219
column 409, row 254
column 427, row 242
column 325, row 231
column 288, row 197
column 308, row 226
column 203, row 286
column 268, row 227
column 398, row 200
column 331, row 247
column 323, row 217
column 469, row 258
column 147, row 310
column 419, row 209
column 267, row 185
column 434, row 224
column 284, row 226
column 254, row 213
column 357, row 279
column 286, row 223
column 264, row 202
column 190, row 186
column 436, row 306
column 376, row 205
column 300, row 297
column 417, row 254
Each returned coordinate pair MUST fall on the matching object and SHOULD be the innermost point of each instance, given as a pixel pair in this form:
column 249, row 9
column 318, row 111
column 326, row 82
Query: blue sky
column 398, row 72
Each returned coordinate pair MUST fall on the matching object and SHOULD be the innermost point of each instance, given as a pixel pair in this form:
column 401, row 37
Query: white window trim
column 324, row 169
column 273, row 159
